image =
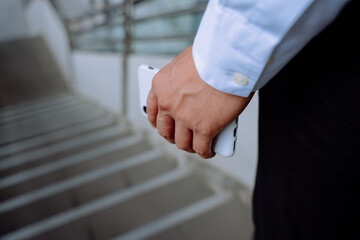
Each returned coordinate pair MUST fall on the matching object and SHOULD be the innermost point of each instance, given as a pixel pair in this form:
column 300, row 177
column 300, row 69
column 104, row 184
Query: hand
column 186, row 110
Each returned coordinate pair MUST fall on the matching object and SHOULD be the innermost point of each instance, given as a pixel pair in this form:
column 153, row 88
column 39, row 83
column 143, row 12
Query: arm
column 186, row 110
column 209, row 84
column 239, row 36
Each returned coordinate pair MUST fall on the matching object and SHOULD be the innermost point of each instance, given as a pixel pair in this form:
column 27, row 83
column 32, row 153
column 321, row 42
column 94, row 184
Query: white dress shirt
column 241, row 44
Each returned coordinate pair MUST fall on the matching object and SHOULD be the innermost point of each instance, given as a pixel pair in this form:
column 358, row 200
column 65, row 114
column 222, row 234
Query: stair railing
column 127, row 22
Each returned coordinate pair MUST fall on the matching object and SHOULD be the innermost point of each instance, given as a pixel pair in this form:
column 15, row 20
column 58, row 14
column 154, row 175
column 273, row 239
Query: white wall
column 37, row 18
column 43, row 20
column 98, row 76
column 12, row 20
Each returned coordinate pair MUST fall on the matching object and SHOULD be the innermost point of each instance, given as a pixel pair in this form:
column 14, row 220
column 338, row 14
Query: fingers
column 152, row 108
column 158, row 119
column 202, row 145
column 177, row 132
column 183, row 137
column 166, row 126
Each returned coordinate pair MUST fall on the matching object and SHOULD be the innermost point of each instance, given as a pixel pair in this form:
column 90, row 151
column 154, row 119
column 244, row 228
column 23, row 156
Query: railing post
column 128, row 5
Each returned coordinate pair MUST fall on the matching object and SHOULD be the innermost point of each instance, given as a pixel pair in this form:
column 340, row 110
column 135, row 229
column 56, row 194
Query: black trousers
column 308, row 176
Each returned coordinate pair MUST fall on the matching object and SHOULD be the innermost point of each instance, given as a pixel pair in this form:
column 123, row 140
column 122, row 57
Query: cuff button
column 240, row 79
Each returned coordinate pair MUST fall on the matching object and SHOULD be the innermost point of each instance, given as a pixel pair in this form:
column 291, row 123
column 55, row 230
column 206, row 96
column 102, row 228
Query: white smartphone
column 224, row 143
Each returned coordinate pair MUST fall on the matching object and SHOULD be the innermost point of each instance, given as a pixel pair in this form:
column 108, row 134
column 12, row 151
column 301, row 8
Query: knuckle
column 157, row 78
column 152, row 121
column 203, row 154
column 206, row 156
column 150, row 112
column 182, row 146
column 203, row 151
column 202, row 129
column 164, row 104
column 170, row 139
column 198, row 150
column 163, row 134
column 168, row 136
column 182, row 118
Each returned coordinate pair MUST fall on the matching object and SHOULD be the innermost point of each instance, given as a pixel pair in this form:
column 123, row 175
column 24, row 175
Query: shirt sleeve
column 237, row 38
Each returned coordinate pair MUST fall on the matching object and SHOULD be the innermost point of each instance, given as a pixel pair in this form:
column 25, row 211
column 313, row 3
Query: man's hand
column 186, row 110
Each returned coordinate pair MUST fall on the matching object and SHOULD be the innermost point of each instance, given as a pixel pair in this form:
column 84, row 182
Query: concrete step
column 66, row 103
column 35, row 105
column 27, row 54
column 28, row 71
column 26, row 131
column 36, row 119
column 174, row 218
column 89, row 178
column 124, row 210
column 52, row 171
column 63, row 148
column 147, row 207
column 229, row 220
column 77, row 193
column 56, row 136
column 48, row 159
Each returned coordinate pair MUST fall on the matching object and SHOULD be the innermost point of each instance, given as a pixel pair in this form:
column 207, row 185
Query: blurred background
column 77, row 158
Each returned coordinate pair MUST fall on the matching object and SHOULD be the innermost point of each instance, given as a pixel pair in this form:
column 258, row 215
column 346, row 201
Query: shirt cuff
column 231, row 50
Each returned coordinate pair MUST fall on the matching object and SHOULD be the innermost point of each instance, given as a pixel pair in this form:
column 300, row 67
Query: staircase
column 71, row 170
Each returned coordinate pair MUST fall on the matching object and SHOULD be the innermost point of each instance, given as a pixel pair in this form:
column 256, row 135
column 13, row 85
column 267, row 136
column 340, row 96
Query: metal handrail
column 194, row 9
column 164, row 37
column 109, row 9
column 104, row 24
column 106, row 10
column 112, row 40
column 128, row 7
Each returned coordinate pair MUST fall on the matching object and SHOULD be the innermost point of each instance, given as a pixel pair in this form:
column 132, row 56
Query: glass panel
column 100, row 45
column 180, row 29
column 172, row 47
column 181, row 25
column 101, row 39
column 154, row 7
column 73, row 9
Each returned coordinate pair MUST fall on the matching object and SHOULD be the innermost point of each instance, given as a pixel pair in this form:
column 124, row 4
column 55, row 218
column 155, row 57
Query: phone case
column 224, row 143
